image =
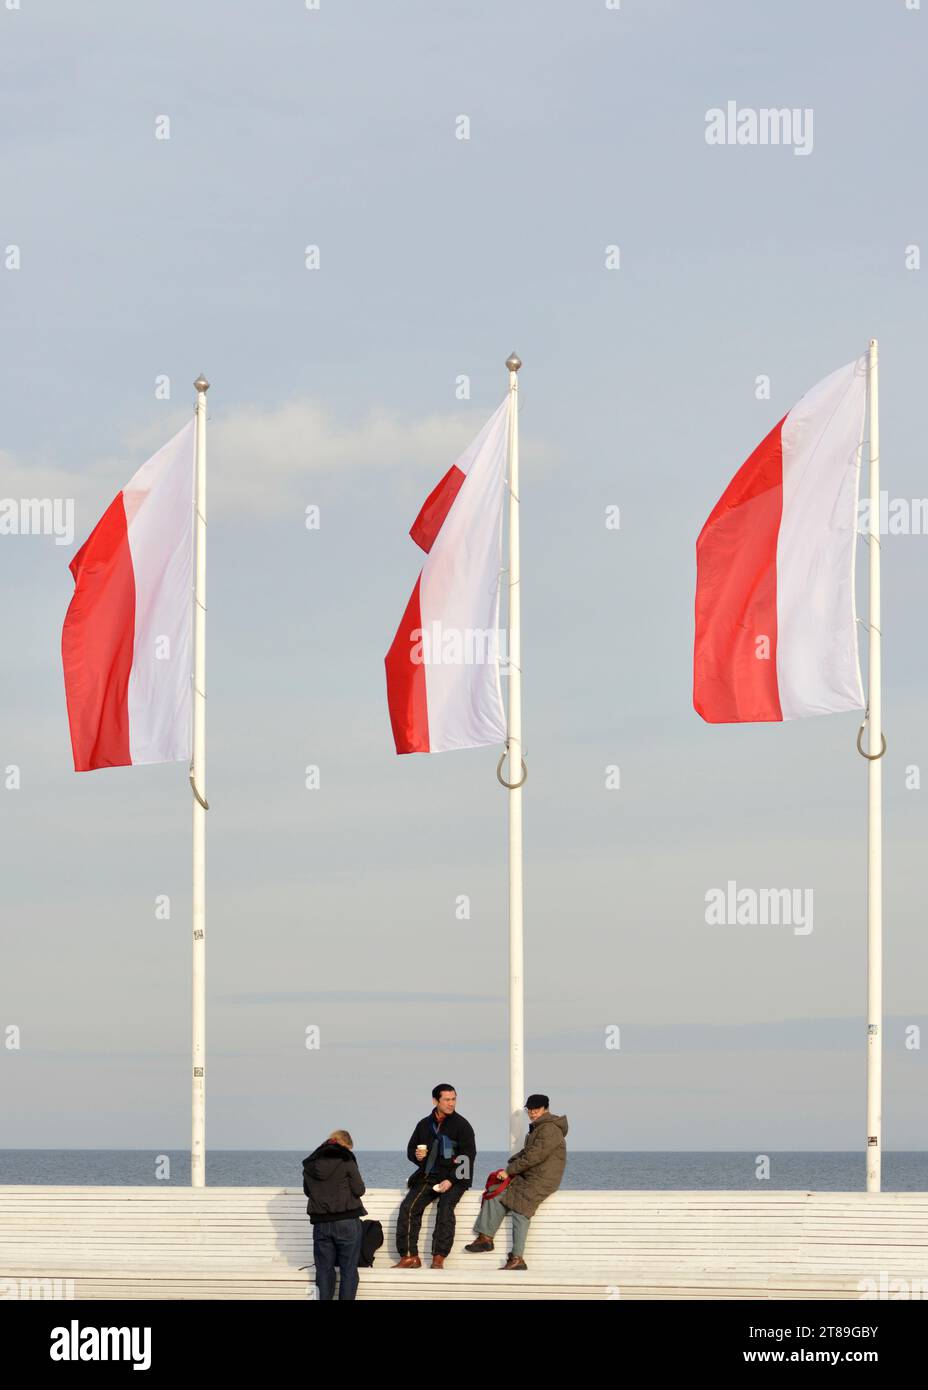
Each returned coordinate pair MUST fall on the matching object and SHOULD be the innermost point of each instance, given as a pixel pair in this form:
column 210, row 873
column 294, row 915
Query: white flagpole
column 200, row 807
column 876, row 747
column 516, row 775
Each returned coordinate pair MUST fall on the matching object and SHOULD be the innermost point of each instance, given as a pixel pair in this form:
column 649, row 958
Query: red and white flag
column 127, row 638
column 443, row 681
column 776, row 623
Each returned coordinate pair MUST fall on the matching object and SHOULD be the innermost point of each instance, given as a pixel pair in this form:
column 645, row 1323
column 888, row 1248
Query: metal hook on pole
column 510, row 786
column 871, row 757
column 193, row 788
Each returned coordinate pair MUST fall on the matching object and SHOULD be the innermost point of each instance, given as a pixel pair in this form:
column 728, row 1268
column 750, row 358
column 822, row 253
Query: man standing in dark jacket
column 444, row 1150
column 334, row 1187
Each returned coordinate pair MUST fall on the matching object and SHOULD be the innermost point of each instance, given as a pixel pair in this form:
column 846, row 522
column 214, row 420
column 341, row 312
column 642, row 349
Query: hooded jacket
column 536, row 1170
column 333, row 1184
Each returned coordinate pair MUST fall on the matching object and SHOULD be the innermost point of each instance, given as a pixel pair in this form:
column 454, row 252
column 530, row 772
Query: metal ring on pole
column 871, row 757
column 511, row 786
column 193, row 788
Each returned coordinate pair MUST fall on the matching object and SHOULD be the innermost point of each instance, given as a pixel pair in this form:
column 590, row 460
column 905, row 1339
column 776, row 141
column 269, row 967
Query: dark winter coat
column 332, row 1183
column 447, row 1150
column 538, row 1167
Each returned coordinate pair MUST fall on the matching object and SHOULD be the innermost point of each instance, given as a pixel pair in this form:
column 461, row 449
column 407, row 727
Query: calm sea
column 822, row 1172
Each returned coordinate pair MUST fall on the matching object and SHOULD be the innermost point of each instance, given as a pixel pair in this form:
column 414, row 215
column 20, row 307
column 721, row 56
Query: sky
column 649, row 280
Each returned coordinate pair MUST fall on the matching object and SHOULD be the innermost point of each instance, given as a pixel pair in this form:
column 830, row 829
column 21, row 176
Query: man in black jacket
column 334, row 1187
column 444, row 1150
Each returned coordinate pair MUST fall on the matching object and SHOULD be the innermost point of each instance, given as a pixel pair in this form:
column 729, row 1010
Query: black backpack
column 371, row 1241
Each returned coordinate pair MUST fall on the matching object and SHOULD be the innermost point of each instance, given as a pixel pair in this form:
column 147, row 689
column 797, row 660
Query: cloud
column 356, row 996
column 261, row 458
column 20, row 478
column 838, row 1034
column 264, row 458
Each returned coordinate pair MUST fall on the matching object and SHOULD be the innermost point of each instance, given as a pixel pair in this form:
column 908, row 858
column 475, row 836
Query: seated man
column 535, row 1172
column 444, row 1150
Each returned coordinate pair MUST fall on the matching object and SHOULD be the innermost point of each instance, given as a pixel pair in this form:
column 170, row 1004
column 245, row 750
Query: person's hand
column 443, row 1186
column 421, row 1151
column 502, row 1174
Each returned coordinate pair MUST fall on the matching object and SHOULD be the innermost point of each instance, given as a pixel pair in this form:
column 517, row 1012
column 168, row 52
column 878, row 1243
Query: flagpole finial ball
column 201, row 383
column 513, row 362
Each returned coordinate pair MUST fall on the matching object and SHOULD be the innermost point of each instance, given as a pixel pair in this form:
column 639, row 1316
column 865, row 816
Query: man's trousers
column 409, row 1220
column 490, row 1219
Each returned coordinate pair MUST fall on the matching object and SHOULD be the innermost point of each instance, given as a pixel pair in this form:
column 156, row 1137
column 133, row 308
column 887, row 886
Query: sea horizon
column 587, row 1169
